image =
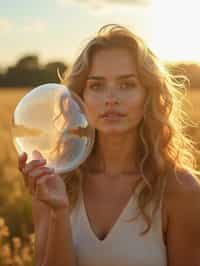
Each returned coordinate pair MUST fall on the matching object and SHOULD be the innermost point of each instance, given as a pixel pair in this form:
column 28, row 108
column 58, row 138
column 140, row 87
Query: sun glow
column 175, row 29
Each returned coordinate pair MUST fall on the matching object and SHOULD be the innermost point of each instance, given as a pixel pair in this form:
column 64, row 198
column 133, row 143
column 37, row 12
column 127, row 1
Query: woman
column 135, row 200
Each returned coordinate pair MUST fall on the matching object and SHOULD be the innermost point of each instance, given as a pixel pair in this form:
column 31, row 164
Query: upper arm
column 183, row 230
column 41, row 215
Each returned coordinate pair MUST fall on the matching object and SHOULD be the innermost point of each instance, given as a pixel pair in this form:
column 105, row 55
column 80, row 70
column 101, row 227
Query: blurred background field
column 16, row 226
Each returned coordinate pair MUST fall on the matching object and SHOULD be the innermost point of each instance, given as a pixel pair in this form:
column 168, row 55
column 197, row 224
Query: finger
column 22, row 161
column 28, row 168
column 38, row 173
column 41, row 191
column 37, row 155
column 31, row 165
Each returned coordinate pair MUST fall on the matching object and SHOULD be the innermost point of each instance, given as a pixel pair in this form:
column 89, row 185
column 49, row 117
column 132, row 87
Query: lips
column 112, row 114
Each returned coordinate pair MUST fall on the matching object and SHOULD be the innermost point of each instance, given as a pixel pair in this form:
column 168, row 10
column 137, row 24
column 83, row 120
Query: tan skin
column 113, row 172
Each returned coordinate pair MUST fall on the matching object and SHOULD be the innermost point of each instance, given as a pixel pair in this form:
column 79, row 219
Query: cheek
column 91, row 102
column 93, row 108
column 135, row 105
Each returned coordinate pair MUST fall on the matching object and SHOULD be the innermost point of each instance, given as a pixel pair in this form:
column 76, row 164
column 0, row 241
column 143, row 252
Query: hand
column 42, row 182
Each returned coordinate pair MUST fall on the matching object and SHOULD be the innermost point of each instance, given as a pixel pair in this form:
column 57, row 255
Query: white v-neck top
column 123, row 246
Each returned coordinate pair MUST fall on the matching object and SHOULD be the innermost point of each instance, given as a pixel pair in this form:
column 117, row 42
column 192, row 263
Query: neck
column 116, row 154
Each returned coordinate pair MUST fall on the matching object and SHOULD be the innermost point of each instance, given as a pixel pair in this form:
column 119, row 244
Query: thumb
column 37, row 155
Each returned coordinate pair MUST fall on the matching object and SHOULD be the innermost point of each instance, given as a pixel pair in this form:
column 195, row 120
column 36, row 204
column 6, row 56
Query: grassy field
column 16, row 227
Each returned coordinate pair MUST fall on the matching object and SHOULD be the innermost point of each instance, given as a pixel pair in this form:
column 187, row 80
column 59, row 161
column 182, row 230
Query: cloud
column 35, row 26
column 131, row 2
column 5, row 25
column 103, row 3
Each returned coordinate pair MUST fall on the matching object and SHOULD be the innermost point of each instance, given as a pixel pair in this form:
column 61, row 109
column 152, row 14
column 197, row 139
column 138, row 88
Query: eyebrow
column 118, row 77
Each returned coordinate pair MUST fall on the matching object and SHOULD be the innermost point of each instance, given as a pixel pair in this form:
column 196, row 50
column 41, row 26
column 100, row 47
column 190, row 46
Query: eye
column 127, row 85
column 95, row 86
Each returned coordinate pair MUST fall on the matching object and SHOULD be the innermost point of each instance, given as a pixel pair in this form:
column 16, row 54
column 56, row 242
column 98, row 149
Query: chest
column 104, row 213
column 104, row 210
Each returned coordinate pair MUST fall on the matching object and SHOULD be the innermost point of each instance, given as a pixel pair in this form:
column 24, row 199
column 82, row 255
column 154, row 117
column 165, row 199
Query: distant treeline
column 29, row 72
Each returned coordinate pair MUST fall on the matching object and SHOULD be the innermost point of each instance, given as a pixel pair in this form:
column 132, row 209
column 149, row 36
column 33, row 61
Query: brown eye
column 95, row 86
column 127, row 85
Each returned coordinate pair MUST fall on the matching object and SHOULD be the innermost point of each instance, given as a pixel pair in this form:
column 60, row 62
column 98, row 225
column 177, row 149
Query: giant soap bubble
column 52, row 120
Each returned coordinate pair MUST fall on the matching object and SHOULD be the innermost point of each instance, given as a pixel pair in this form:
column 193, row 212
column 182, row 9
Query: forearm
column 59, row 250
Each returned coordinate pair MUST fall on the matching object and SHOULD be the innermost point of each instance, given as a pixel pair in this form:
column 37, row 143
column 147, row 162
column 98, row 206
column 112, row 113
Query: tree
column 28, row 72
column 28, row 62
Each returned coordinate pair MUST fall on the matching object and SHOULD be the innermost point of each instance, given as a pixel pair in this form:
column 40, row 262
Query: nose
column 111, row 98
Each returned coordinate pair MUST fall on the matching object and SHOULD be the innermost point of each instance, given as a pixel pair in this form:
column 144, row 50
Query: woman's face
column 113, row 94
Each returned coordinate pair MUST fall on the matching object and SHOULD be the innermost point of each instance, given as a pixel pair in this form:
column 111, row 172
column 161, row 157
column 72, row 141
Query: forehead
column 115, row 61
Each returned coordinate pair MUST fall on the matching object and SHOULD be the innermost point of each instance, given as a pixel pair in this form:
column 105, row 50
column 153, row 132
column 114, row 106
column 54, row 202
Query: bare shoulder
column 182, row 187
column 183, row 219
column 182, row 192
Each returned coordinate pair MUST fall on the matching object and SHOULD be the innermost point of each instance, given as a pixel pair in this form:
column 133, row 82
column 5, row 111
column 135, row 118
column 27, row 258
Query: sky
column 59, row 29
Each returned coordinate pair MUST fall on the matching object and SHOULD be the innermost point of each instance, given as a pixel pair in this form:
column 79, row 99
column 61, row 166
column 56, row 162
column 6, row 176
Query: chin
column 116, row 130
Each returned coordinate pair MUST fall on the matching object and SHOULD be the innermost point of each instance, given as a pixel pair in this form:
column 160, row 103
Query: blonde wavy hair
column 164, row 147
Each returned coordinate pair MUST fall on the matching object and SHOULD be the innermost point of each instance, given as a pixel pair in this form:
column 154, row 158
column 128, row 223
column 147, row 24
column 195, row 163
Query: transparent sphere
column 52, row 120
